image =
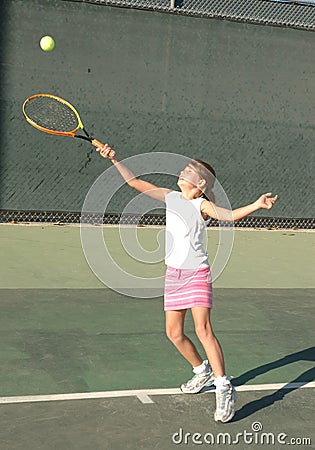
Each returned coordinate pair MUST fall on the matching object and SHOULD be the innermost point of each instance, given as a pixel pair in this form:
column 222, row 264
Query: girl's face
column 188, row 175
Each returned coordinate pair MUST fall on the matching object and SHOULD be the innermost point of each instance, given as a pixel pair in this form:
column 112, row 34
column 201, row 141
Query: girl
column 188, row 279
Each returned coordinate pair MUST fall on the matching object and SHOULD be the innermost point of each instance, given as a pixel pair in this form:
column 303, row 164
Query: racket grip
column 97, row 143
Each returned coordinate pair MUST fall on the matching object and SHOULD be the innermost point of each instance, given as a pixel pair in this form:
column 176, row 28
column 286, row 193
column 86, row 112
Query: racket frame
column 71, row 133
column 47, row 130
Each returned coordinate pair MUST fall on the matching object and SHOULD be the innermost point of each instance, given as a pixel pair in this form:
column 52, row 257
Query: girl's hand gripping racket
column 54, row 115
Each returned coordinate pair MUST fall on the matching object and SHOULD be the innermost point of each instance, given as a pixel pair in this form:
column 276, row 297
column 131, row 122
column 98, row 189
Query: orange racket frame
column 72, row 133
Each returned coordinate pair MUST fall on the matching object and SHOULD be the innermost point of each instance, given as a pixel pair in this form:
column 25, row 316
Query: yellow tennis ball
column 47, row 43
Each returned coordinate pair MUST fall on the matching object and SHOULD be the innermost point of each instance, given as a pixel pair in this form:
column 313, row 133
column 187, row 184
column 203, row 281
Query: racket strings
column 51, row 114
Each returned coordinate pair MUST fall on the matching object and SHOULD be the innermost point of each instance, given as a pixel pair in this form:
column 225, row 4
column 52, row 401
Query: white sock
column 222, row 383
column 204, row 367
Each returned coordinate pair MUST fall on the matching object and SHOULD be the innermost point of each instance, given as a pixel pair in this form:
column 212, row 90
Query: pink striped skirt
column 186, row 288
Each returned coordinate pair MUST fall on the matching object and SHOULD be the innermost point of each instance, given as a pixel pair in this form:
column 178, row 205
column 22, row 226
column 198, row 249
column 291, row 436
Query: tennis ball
column 47, row 43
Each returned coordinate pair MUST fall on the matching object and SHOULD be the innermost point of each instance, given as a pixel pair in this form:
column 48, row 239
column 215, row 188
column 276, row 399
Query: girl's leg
column 225, row 392
column 175, row 332
column 204, row 332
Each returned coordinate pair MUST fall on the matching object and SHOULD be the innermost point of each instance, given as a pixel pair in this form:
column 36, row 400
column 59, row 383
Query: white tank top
column 185, row 228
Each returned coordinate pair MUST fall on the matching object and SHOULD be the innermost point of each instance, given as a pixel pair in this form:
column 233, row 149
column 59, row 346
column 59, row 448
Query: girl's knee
column 174, row 334
column 204, row 332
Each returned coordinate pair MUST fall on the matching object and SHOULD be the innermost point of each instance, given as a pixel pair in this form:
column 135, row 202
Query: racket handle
column 97, row 143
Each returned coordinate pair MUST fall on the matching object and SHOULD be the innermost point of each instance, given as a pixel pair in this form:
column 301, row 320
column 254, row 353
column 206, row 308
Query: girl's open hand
column 106, row 151
column 266, row 201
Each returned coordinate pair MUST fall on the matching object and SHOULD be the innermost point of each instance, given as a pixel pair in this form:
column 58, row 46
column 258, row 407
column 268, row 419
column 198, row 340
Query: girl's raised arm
column 147, row 188
column 209, row 209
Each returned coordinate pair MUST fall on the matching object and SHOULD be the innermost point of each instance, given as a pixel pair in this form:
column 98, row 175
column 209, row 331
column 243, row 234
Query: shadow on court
column 303, row 355
column 258, row 405
column 255, row 406
column 268, row 400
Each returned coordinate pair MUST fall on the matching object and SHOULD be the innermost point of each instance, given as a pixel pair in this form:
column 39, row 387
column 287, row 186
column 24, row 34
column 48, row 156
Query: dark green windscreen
column 239, row 96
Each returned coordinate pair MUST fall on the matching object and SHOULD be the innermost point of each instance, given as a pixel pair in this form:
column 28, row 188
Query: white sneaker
column 198, row 382
column 225, row 400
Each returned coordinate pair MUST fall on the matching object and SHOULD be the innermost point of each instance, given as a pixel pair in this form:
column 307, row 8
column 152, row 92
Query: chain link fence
column 283, row 13
column 68, row 218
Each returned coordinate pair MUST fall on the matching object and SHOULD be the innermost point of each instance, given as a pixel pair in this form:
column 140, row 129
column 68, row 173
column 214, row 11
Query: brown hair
column 207, row 173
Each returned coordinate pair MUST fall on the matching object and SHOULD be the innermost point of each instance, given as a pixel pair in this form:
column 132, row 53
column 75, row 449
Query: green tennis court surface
column 114, row 374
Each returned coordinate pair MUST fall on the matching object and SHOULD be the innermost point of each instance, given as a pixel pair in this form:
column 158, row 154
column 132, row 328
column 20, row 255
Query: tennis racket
column 55, row 115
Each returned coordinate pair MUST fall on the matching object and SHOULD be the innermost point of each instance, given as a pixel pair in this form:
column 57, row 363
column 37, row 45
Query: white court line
column 142, row 394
